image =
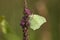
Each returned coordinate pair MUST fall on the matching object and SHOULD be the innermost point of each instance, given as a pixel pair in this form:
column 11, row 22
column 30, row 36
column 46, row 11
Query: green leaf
column 36, row 21
column 3, row 24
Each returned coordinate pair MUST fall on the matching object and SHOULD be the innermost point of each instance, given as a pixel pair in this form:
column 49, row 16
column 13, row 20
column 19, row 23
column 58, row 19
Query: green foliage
column 12, row 36
column 3, row 25
column 6, row 31
column 1, row 18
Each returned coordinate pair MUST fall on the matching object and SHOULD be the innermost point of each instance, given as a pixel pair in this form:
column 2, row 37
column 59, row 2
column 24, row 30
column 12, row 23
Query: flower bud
column 27, row 11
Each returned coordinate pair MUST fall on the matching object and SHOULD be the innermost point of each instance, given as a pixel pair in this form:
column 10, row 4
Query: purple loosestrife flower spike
column 25, row 21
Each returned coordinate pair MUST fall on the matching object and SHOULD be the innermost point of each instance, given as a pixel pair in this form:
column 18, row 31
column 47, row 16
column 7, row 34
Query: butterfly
column 36, row 21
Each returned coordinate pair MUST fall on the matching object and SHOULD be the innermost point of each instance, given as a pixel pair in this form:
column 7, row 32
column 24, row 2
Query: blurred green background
column 13, row 12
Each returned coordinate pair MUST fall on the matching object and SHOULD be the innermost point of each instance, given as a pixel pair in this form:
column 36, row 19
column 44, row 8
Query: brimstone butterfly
column 36, row 21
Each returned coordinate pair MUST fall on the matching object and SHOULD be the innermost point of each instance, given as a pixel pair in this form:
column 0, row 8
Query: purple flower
column 27, row 23
column 27, row 11
column 25, row 17
column 22, row 22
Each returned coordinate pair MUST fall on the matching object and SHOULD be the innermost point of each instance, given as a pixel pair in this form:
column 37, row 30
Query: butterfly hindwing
column 36, row 21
